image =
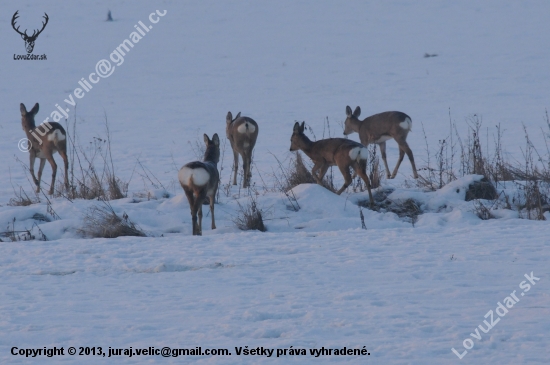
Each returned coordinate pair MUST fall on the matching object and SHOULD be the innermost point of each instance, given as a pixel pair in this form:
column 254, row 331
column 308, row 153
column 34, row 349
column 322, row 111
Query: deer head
column 298, row 138
column 29, row 40
column 351, row 119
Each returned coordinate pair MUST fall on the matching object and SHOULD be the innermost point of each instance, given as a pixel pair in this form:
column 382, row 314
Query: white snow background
column 315, row 279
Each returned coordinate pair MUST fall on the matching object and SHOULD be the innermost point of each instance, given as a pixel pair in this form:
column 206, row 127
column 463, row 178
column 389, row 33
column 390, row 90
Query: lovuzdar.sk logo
column 29, row 39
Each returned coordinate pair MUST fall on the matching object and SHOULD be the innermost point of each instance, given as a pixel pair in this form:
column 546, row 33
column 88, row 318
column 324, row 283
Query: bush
column 297, row 174
column 250, row 217
column 22, row 199
column 92, row 172
column 103, row 222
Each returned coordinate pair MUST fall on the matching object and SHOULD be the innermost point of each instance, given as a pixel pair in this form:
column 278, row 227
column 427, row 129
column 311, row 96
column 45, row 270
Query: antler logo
column 29, row 40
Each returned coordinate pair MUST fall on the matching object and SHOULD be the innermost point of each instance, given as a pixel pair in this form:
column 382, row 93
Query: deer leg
column 197, row 207
column 32, row 159
column 63, row 154
column 191, row 199
column 401, row 155
column 235, row 166
column 54, row 172
column 246, row 168
column 200, row 220
column 314, row 170
column 347, row 178
column 39, row 179
column 212, row 211
column 361, row 170
column 319, row 178
column 323, row 172
column 409, row 153
column 383, row 153
column 249, row 167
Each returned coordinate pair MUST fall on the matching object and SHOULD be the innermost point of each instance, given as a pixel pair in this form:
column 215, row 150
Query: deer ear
column 302, row 127
column 216, row 139
column 357, row 112
column 348, row 111
column 34, row 109
column 238, row 115
column 206, row 139
column 23, row 109
column 296, row 127
column 229, row 118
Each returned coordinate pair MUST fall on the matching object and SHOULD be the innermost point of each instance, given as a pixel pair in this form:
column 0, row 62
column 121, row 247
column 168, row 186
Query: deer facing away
column 199, row 179
column 378, row 129
column 242, row 133
column 341, row 152
column 53, row 138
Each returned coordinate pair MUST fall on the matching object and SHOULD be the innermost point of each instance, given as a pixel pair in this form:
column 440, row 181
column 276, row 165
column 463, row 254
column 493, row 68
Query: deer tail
column 58, row 138
column 359, row 153
column 406, row 124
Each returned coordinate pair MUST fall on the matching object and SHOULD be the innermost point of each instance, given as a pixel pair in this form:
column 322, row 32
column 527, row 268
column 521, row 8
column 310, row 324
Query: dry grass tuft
column 103, row 222
column 250, row 217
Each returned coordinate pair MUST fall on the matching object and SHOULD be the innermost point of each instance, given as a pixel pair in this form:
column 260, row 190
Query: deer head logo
column 29, row 40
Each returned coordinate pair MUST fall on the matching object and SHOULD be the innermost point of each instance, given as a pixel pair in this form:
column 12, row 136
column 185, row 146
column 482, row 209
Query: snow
column 408, row 293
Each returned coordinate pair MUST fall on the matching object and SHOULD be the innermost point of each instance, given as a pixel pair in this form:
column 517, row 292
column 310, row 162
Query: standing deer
column 53, row 138
column 242, row 133
column 341, row 152
column 200, row 180
column 378, row 129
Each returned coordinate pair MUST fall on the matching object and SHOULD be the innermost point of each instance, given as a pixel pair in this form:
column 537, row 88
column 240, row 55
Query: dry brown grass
column 249, row 216
column 102, row 222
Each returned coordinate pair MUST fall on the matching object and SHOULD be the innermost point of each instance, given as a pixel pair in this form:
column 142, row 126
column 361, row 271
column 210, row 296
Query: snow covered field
column 408, row 294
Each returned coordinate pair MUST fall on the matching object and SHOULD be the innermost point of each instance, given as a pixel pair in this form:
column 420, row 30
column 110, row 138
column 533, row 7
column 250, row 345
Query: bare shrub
column 534, row 187
column 531, row 176
column 103, row 222
column 92, row 173
column 281, row 183
column 374, row 171
column 297, row 173
column 14, row 235
column 497, row 169
column 362, row 217
column 474, row 161
column 22, row 199
column 250, row 217
column 482, row 210
column 435, row 177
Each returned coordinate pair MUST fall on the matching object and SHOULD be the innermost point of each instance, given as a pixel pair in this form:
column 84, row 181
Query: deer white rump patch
column 384, row 138
column 406, row 124
column 358, row 153
column 246, row 128
column 56, row 135
column 200, row 176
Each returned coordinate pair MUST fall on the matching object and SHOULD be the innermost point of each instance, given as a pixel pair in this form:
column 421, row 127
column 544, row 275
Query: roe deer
column 242, row 133
column 341, row 152
column 378, row 129
column 200, row 180
column 53, row 138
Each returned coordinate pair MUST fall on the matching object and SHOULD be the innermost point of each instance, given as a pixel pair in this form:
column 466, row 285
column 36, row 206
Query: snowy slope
column 315, row 279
